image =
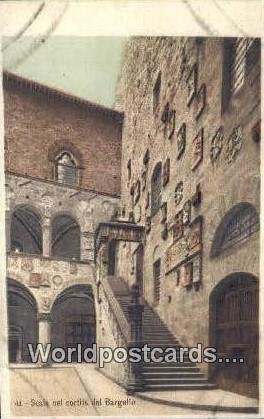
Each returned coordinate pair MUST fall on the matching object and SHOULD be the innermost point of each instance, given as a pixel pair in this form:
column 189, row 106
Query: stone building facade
column 59, row 186
column 191, row 176
column 156, row 241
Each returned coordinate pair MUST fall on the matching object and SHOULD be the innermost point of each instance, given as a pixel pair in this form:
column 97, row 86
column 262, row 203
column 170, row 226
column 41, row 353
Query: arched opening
column 74, row 319
column 234, row 332
column 65, row 237
column 26, row 231
column 237, row 226
column 66, row 168
column 22, row 322
column 156, row 188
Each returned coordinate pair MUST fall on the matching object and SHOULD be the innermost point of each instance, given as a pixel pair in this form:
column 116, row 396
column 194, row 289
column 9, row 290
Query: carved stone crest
column 234, row 144
column 217, row 144
column 137, row 191
column 143, row 180
column 197, row 149
column 201, row 100
column 177, row 228
column 186, row 210
column 35, row 280
column 178, row 195
column 163, row 212
column 57, row 281
column 27, row 265
column 181, row 140
column 148, row 224
column 45, row 303
column 166, row 172
column 191, row 82
column 137, row 213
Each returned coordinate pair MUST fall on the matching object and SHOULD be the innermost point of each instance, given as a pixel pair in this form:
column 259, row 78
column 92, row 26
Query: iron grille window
column 66, row 169
column 240, row 55
column 242, row 225
column 238, row 67
column 156, row 189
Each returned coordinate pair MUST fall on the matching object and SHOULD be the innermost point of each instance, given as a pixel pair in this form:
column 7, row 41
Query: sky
column 85, row 66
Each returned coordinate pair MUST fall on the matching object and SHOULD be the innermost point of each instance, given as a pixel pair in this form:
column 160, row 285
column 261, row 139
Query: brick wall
column 37, row 125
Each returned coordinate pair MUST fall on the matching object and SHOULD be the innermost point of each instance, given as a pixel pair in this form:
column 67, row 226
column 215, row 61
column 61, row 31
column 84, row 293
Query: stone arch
column 234, row 331
column 74, row 318
column 22, row 321
column 237, row 225
column 26, row 229
column 65, row 236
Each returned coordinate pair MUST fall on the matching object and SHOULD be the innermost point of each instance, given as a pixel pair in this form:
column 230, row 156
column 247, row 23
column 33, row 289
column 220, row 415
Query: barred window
column 238, row 224
column 156, row 189
column 238, row 67
column 66, row 169
column 240, row 55
column 241, row 226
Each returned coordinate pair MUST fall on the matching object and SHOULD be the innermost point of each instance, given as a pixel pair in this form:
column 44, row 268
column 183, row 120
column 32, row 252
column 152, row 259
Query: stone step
column 172, row 387
column 167, row 367
column 168, row 374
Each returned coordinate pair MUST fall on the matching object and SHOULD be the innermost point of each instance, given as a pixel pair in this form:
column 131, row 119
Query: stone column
column 46, row 237
column 44, row 330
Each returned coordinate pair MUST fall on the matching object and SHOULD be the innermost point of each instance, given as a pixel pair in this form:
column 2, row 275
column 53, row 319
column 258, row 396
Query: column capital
column 44, row 317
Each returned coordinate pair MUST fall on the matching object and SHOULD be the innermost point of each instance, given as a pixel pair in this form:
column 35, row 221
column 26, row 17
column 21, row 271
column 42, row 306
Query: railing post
column 135, row 311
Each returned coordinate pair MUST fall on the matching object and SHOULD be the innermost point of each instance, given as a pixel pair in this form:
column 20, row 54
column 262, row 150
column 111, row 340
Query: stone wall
column 39, row 122
column 225, row 167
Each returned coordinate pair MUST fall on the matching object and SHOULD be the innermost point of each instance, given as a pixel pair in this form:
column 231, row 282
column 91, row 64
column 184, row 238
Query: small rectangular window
column 156, row 277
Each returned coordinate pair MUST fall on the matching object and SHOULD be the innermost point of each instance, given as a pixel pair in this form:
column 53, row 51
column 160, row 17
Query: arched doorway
column 234, row 332
column 73, row 318
column 22, row 322
column 65, row 237
column 26, row 231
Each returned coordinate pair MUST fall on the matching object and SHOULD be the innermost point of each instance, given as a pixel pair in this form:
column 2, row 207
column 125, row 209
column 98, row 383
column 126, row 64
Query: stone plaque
column 191, row 82
column 57, row 281
column 178, row 195
column 181, row 140
column 35, row 280
column 148, row 224
column 234, row 144
column 186, row 274
column 45, row 280
column 197, row 149
column 147, row 202
column 166, row 172
column 170, row 125
column 196, row 269
column 164, row 233
column 174, row 255
column 137, row 213
column 137, row 191
column 144, row 180
column 201, row 100
column 186, row 210
column 146, row 157
column 177, row 228
column 194, row 237
column 216, row 144
column 163, row 212
column 27, row 265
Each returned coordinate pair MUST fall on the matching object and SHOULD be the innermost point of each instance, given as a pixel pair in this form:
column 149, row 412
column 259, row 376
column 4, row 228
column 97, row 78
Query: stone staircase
column 160, row 376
